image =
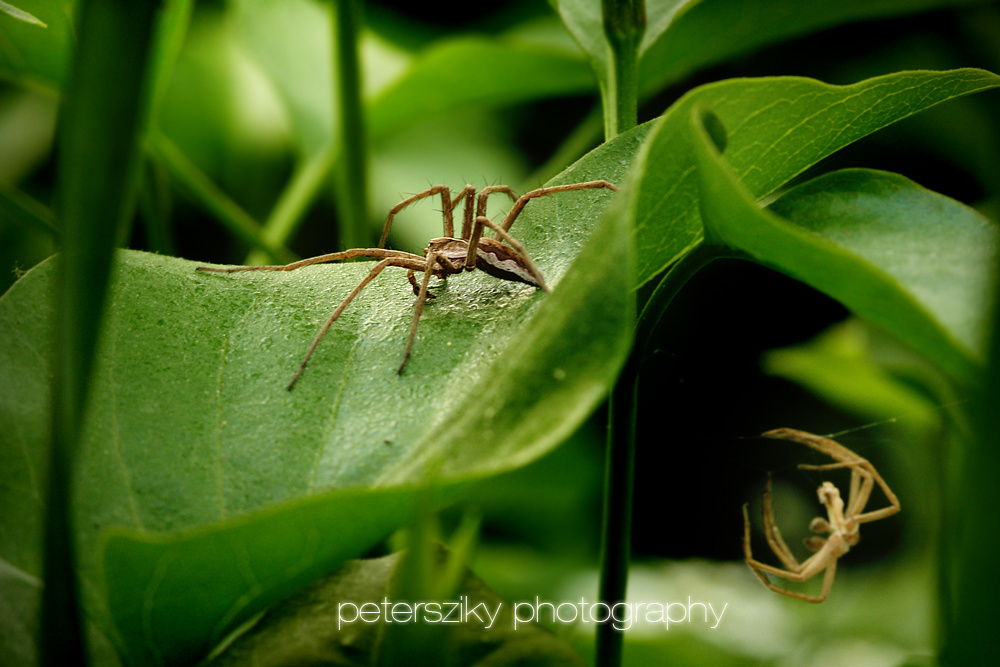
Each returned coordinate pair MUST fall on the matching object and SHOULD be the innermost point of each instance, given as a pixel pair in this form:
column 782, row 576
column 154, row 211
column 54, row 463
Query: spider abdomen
column 502, row 262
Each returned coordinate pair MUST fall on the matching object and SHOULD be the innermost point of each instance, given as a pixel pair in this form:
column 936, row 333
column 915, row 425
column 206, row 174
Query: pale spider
column 841, row 524
column 443, row 256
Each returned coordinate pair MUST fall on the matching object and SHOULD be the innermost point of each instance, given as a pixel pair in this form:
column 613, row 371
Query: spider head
column 846, row 528
column 829, row 495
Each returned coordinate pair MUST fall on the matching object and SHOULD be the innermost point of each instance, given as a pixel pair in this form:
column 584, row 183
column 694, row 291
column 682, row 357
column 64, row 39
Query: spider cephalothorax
column 501, row 256
column 841, row 525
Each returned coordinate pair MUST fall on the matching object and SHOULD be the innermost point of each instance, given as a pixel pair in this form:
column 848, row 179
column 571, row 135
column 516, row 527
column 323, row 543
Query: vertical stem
column 300, row 192
column 974, row 579
column 624, row 25
column 616, row 528
column 106, row 102
column 352, row 202
column 620, row 461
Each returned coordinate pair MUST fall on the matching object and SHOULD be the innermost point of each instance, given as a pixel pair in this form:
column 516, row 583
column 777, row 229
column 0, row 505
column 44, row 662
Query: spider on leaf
column 444, row 256
column 841, row 525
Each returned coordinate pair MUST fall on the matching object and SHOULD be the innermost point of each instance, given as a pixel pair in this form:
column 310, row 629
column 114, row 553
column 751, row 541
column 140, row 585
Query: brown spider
column 443, row 256
column 841, row 524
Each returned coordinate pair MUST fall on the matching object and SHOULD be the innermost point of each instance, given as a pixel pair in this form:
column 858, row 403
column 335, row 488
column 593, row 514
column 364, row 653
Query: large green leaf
column 776, row 129
column 910, row 261
column 227, row 491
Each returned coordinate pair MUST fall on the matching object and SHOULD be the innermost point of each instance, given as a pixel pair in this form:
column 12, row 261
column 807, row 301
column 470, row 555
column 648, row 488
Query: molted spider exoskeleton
column 443, row 256
column 841, row 524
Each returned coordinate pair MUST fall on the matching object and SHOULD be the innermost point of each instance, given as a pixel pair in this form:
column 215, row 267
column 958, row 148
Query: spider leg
column 823, row 559
column 831, row 571
column 428, row 269
column 413, row 281
column 845, row 459
column 862, row 469
column 856, row 501
column 831, row 448
column 446, row 207
column 541, row 192
column 377, row 269
column 468, row 194
column 376, row 253
column 774, row 539
column 856, row 498
column 486, row 192
column 862, row 485
column 893, row 507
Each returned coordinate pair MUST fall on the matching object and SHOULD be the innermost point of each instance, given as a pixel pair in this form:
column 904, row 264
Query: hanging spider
column 842, row 524
column 444, row 256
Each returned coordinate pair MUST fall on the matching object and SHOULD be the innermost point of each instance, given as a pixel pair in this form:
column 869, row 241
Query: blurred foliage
column 504, row 93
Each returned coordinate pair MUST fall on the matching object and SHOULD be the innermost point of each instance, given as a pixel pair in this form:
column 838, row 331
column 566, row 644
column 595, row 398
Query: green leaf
column 976, row 495
column 909, row 261
column 30, row 55
column 20, row 594
column 852, row 368
column 103, row 117
column 937, row 249
column 584, row 21
column 229, row 492
column 20, row 14
column 683, row 36
column 715, row 31
column 776, row 128
column 478, row 72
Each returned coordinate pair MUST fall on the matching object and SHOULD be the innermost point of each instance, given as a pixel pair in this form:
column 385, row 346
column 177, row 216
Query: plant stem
column 352, row 199
column 297, row 196
column 973, row 578
column 106, row 106
column 30, row 213
column 616, row 527
column 154, row 204
column 228, row 212
column 624, row 25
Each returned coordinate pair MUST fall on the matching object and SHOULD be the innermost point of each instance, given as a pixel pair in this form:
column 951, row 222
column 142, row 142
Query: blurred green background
column 748, row 350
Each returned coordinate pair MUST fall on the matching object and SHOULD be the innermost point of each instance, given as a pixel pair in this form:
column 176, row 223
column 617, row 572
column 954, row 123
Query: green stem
column 352, row 199
column 21, row 208
column 624, row 25
column 154, row 204
column 616, row 527
column 105, row 113
column 301, row 191
column 228, row 212
column 974, row 578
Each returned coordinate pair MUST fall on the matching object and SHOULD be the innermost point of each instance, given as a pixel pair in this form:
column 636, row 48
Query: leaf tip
column 21, row 15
